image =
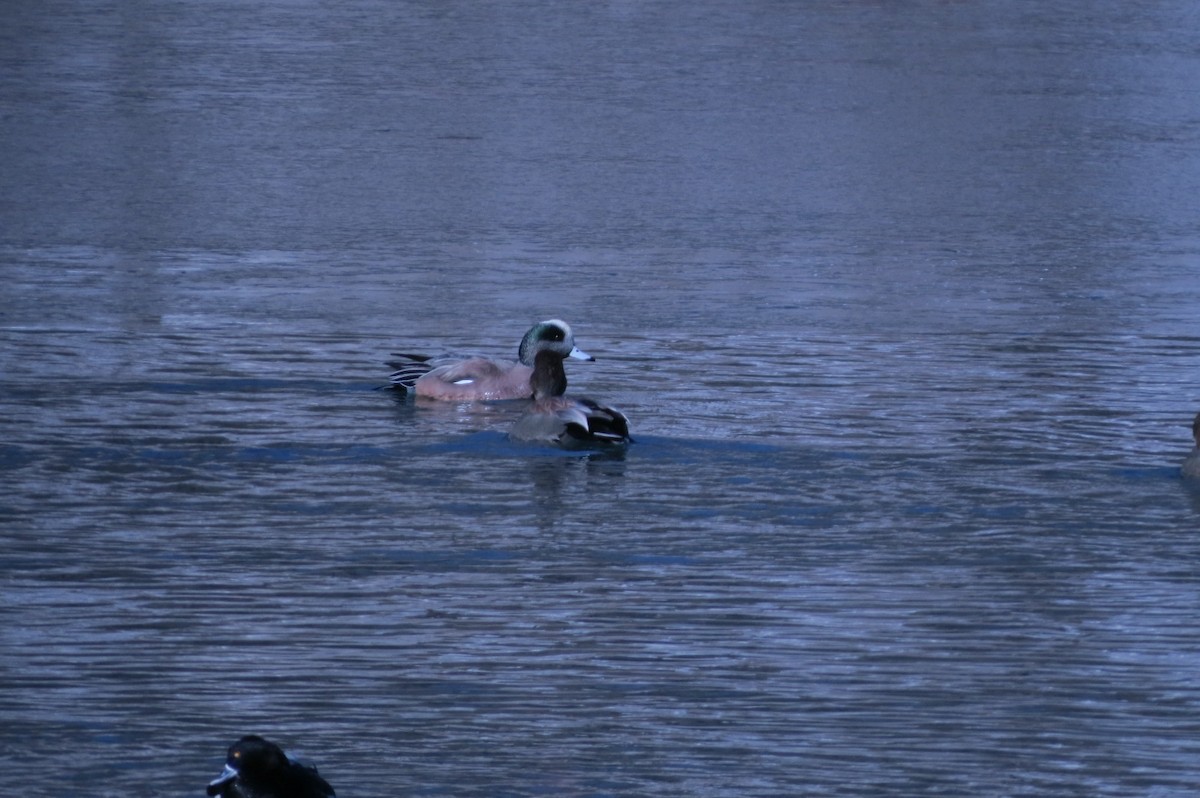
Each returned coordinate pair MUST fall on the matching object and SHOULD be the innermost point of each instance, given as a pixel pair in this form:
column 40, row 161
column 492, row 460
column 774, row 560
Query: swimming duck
column 480, row 378
column 572, row 423
column 1191, row 465
column 257, row 768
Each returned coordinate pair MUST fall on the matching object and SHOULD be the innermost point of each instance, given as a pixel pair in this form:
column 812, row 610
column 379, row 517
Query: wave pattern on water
column 840, row 600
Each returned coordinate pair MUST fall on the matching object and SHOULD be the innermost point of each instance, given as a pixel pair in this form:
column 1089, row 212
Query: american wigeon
column 1191, row 465
column 257, row 768
column 572, row 423
column 480, row 378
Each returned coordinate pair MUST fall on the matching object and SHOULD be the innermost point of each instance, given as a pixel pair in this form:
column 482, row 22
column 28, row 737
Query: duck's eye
column 555, row 334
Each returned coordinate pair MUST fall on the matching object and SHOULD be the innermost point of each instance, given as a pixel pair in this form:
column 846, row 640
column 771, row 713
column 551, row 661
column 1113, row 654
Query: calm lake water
column 902, row 301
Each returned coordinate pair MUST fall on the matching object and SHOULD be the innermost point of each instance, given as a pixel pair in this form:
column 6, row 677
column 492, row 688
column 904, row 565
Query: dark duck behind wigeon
column 569, row 422
column 258, row 768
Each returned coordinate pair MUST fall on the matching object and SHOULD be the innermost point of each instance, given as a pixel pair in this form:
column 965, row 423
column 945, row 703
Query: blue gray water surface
column 901, row 300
